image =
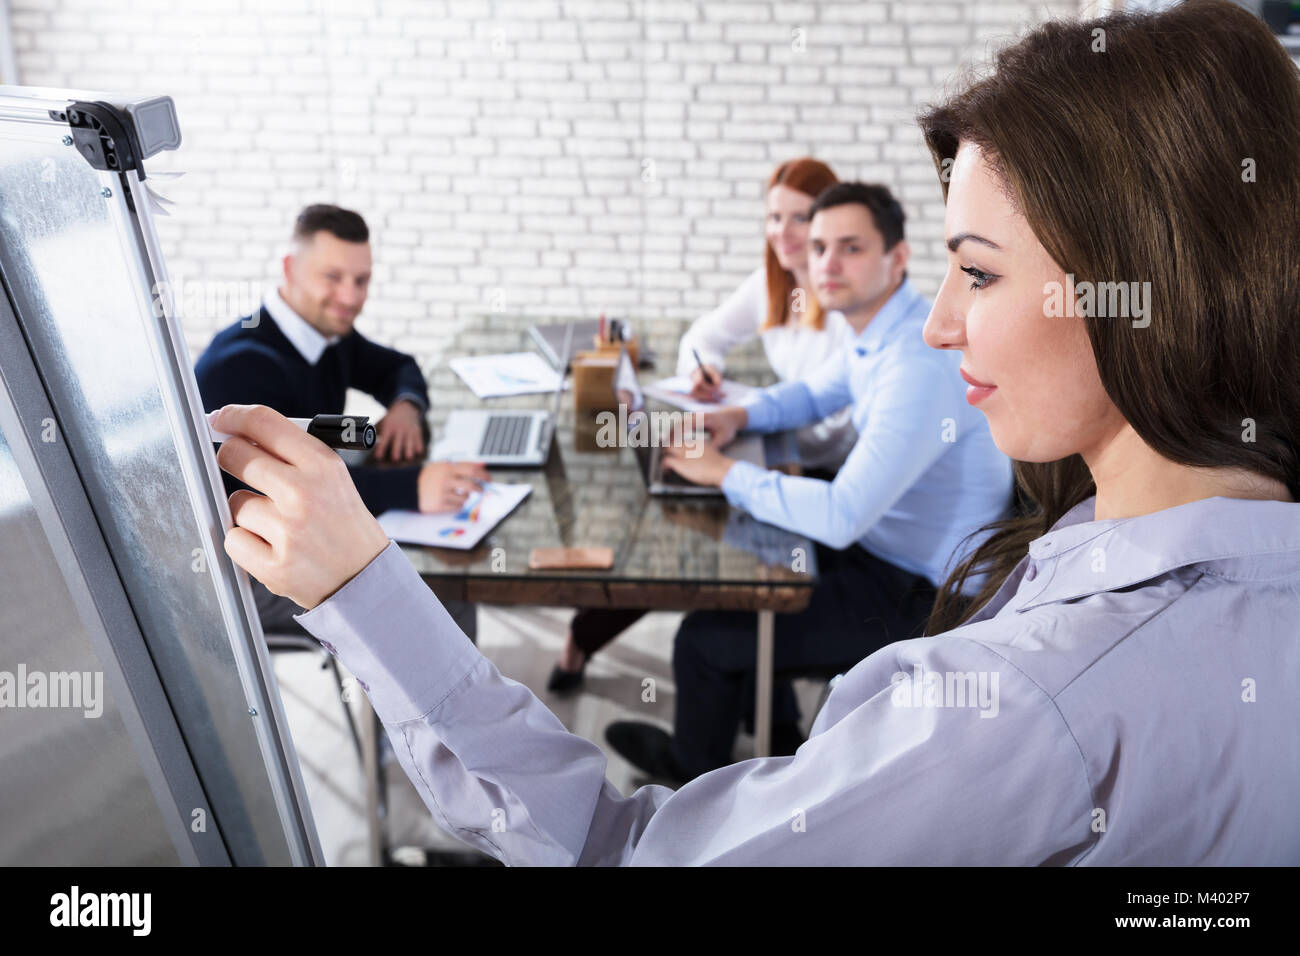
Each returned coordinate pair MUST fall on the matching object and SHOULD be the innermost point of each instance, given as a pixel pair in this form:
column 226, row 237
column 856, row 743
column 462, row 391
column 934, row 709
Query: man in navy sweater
column 300, row 353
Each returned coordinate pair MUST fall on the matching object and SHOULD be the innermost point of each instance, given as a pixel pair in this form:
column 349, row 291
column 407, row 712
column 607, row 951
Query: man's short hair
column 322, row 217
column 886, row 211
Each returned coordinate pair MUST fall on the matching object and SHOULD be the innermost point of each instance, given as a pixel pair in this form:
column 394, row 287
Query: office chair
column 287, row 642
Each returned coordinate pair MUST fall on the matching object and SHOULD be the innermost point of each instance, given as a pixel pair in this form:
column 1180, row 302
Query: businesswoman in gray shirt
column 1126, row 687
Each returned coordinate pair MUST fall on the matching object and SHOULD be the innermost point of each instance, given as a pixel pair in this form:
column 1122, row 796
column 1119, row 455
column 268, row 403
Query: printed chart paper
column 515, row 373
column 482, row 511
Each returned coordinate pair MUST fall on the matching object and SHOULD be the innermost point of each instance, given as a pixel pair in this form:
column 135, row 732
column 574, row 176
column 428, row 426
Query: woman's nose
column 945, row 327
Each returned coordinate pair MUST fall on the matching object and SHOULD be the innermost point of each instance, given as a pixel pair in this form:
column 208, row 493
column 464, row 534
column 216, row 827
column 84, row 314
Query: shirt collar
column 309, row 343
column 897, row 307
column 1230, row 537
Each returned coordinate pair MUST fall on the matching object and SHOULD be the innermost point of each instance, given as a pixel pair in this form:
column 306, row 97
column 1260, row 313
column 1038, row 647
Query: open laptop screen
column 628, row 394
column 627, row 390
column 631, row 400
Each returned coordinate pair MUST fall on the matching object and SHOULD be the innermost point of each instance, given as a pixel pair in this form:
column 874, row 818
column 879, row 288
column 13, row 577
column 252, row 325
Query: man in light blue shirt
column 923, row 475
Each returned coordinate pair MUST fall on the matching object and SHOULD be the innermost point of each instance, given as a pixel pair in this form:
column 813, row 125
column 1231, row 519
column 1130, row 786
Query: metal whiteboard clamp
column 121, row 136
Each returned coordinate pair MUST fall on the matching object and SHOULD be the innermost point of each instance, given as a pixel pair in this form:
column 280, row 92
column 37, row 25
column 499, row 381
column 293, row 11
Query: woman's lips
column 978, row 390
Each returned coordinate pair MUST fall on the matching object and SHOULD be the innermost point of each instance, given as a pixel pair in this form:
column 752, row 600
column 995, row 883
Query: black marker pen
column 347, row 432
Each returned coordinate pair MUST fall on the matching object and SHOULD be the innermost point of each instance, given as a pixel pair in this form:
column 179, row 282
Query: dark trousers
column 594, row 627
column 860, row 604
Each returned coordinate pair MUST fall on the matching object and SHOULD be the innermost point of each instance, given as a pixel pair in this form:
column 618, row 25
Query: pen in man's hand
column 700, row 362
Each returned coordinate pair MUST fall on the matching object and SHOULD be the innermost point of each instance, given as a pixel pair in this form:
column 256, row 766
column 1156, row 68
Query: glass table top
column 592, row 496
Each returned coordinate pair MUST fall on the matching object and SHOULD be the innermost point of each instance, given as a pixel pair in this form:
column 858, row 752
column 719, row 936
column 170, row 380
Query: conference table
column 670, row 553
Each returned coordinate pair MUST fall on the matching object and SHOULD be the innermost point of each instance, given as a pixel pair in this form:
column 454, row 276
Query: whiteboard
column 112, row 517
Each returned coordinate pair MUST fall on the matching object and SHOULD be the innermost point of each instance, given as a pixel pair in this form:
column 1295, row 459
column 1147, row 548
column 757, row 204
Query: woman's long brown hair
column 808, row 176
column 1161, row 148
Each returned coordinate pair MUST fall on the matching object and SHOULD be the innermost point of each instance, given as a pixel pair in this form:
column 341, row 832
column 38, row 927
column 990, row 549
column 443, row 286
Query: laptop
column 649, row 455
column 549, row 340
column 502, row 438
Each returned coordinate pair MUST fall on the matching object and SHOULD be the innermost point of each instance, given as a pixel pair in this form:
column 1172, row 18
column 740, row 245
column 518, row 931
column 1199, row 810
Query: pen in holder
column 614, row 335
column 593, row 371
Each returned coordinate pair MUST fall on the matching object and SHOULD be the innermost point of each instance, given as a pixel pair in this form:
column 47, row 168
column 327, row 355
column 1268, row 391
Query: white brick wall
column 549, row 158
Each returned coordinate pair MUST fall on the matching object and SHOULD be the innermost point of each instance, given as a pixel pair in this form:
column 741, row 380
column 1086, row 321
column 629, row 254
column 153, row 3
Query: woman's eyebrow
column 961, row 237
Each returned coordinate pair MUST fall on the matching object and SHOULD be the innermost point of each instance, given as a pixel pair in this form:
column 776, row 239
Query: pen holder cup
column 593, row 380
column 590, row 432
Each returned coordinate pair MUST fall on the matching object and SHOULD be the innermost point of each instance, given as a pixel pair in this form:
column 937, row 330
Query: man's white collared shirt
column 310, row 343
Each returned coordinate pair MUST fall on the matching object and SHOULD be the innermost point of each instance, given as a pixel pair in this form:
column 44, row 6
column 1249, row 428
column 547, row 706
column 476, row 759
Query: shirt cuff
column 395, row 637
column 415, row 399
column 758, row 412
column 739, row 483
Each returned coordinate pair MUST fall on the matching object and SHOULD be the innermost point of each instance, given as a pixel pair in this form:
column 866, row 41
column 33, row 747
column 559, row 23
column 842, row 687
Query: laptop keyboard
column 506, row 435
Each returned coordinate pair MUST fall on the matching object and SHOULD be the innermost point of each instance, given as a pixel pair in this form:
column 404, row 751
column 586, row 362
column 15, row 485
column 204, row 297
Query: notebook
column 676, row 391
column 516, row 373
column 483, row 510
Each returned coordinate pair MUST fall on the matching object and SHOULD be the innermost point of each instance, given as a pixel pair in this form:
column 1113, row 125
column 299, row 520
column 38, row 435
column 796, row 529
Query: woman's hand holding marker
column 308, row 533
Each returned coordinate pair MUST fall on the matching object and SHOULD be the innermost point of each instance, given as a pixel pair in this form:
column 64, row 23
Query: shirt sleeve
column 419, row 401
column 784, row 405
column 899, row 438
column 387, row 374
column 732, row 323
column 499, row 771
column 494, row 766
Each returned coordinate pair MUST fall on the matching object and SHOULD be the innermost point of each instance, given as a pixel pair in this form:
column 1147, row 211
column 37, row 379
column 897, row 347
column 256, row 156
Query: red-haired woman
column 775, row 303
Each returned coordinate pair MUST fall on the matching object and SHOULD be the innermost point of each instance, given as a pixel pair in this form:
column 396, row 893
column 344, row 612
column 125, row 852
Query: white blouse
column 793, row 350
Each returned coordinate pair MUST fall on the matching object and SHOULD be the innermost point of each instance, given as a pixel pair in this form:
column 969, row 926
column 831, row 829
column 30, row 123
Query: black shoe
column 647, row 748
column 562, row 681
